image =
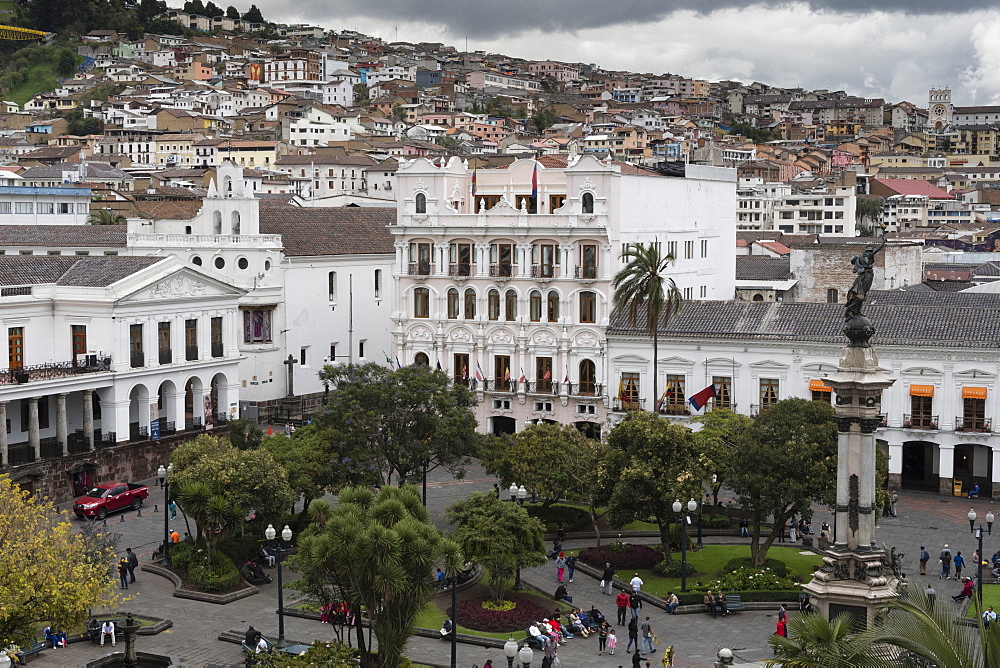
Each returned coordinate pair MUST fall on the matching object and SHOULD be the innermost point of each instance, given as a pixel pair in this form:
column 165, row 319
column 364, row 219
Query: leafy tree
column 214, row 515
column 99, row 544
column 756, row 135
column 407, row 418
column 245, row 434
column 253, row 15
column 250, row 480
column 641, row 288
column 232, row 13
column 786, row 460
column 212, row 10
column 50, row 573
column 67, row 63
column 718, row 438
column 361, row 97
column 194, row 7
column 655, row 463
column 545, row 118
column 868, row 212
column 814, row 641
column 376, row 552
column 399, row 113
column 83, row 125
column 320, row 653
column 147, row 10
column 105, row 217
column 499, row 536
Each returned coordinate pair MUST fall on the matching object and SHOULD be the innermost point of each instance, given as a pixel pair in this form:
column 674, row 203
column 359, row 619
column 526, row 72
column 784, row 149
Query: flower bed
column 621, row 555
column 472, row 615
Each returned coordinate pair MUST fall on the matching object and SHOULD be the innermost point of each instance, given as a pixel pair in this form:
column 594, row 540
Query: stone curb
column 205, row 597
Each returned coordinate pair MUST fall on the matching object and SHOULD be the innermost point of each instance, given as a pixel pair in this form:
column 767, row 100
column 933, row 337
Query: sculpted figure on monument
column 863, row 264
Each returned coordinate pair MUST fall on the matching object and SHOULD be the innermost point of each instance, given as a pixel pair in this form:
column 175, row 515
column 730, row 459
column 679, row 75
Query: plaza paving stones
column 925, row 519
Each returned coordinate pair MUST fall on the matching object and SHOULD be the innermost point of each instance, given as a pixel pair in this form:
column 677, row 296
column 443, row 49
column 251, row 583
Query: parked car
column 108, row 497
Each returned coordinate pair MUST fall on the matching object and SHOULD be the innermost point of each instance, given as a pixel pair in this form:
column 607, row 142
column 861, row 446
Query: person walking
column 633, row 636
column 930, row 594
column 792, row 525
column 560, row 566
column 635, row 602
column 959, row 565
column 925, row 556
column 172, row 507
column 607, row 579
column 621, row 603
column 647, row 636
column 945, row 559
column 782, row 612
column 123, row 573
column 612, row 641
column 571, row 565
column 602, row 638
column 636, row 583
column 781, row 629
column 133, row 563
column 895, row 502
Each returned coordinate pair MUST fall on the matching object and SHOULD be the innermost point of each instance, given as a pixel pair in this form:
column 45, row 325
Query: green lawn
column 991, row 596
column 710, row 561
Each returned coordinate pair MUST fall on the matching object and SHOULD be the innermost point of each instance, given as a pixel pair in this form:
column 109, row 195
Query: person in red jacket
column 966, row 590
column 622, row 602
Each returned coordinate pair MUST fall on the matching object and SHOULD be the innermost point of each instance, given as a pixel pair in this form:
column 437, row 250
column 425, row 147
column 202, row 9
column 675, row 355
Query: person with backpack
column 607, row 579
column 571, row 565
column 945, row 559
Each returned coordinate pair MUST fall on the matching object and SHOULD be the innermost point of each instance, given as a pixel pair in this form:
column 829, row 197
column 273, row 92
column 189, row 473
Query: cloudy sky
column 896, row 52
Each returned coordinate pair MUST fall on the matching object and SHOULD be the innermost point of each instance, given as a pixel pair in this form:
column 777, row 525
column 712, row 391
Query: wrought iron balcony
column 920, row 421
column 191, row 353
column 543, row 271
column 624, row 405
column 460, row 269
column 674, row 409
column 500, row 386
column 217, row 350
column 502, row 270
column 981, row 425
column 586, row 389
column 543, row 387
column 420, row 269
column 137, row 360
column 166, row 356
column 586, row 271
column 26, row 374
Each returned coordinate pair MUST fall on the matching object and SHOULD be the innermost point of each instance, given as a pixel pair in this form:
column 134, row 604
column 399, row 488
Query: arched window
column 236, row 222
column 535, row 306
column 421, row 359
column 588, row 306
column 470, row 304
column 510, row 305
column 552, row 306
column 588, row 377
column 452, row 304
column 421, row 303
column 588, row 202
column 421, row 203
column 493, row 305
column 217, row 222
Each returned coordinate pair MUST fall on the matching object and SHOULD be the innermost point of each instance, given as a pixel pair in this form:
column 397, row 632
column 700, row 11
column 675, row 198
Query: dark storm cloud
column 490, row 18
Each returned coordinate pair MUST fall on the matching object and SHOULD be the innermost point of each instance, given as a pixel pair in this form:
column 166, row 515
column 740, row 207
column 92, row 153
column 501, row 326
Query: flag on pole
column 479, row 373
column 506, row 374
column 548, row 375
column 621, row 389
column 566, row 380
column 534, row 181
column 439, row 365
column 465, row 372
column 398, row 365
column 388, row 360
column 699, row 400
column 522, row 378
column 474, row 181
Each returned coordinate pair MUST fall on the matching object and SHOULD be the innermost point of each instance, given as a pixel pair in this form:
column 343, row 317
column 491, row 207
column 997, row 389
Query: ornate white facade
column 515, row 286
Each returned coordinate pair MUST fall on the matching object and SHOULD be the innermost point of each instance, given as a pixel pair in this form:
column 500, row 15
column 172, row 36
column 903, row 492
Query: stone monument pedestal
column 856, row 576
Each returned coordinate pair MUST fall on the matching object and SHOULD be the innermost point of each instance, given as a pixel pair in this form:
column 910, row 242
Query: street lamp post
column 454, row 620
column 510, row 651
column 978, row 533
column 286, row 536
column 522, row 494
column 512, row 490
column 684, row 520
column 526, row 655
column 164, row 474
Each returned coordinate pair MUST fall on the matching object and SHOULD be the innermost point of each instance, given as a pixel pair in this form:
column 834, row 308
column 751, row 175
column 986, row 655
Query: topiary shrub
column 473, row 615
column 222, row 575
column 572, row 518
column 621, row 555
column 777, row 567
column 716, row 522
column 752, row 579
column 672, row 569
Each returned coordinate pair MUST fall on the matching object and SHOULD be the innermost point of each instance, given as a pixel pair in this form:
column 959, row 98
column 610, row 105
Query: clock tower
column 939, row 109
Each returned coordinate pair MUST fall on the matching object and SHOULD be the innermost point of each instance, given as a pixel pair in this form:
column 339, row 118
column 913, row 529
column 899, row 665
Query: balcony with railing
column 883, row 420
column 620, row 405
column 974, row 424
column 137, row 360
column 586, row 389
column 674, row 409
column 543, row 387
column 21, row 453
column 502, row 270
column 217, row 349
column 191, row 353
column 420, row 269
column 920, row 421
column 461, row 269
column 543, row 271
column 49, row 370
column 193, row 423
column 500, row 386
column 586, row 272
column 166, row 356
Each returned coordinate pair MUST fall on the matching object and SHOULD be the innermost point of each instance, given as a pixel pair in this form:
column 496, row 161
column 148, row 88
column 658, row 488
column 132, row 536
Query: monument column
column 856, row 576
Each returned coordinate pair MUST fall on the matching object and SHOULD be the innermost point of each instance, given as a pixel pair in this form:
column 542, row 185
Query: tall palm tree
column 814, row 642
column 105, row 217
column 640, row 286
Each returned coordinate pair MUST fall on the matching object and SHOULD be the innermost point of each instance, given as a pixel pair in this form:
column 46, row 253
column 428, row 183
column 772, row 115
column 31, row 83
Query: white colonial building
column 103, row 350
column 940, row 349
column 499, row 279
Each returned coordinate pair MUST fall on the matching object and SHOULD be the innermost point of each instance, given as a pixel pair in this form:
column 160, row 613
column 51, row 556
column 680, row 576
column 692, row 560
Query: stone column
column 61, row 426
column 88, row 418
column 946, row 468
column 33, row 440
column 895, row 466
column 4, row 461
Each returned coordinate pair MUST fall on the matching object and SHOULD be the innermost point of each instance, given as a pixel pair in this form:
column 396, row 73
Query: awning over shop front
column 921, row 390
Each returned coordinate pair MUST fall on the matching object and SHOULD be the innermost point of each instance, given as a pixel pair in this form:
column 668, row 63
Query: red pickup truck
column 108, row 497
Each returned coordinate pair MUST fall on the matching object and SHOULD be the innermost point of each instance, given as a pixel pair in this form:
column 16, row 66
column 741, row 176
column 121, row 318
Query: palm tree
column 814, row 642
column 105, row 217
column 641, row 286
column 868, row 212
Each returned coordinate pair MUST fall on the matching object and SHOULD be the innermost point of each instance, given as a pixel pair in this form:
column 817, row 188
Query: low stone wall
column 218, row 599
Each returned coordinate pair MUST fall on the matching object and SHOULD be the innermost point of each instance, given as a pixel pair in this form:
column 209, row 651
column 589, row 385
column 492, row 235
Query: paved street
column 193, row 639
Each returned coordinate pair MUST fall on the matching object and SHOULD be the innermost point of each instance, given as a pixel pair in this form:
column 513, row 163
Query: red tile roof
column 914, row 187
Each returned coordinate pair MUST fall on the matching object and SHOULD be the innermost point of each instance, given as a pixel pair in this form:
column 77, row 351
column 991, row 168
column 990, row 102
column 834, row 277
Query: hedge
column 635, row 557
column 572, row 517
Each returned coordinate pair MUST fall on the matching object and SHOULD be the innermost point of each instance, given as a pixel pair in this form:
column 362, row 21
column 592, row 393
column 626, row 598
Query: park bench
column 532, row 641
column 253, row 650
column 734, row 604
column 25, row 655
